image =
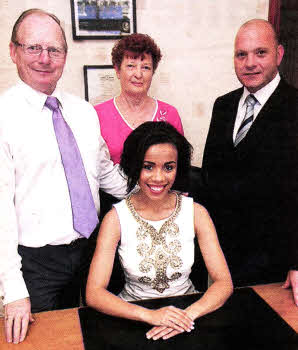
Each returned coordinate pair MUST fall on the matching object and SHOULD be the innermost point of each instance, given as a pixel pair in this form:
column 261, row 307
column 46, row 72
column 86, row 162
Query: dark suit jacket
column 251, row 191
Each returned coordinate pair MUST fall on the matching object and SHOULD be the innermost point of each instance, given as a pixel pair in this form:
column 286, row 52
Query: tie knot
column 251, row 100
column 52, row 103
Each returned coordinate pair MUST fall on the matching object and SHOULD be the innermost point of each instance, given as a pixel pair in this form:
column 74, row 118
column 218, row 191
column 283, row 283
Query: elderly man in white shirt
column 43, row 254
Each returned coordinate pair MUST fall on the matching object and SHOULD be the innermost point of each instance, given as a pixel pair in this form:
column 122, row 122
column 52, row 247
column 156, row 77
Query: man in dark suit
column 250, row 164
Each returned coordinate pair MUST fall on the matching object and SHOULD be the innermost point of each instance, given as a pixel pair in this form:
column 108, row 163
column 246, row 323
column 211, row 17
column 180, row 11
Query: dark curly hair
column 138, row 44
column 149, row 134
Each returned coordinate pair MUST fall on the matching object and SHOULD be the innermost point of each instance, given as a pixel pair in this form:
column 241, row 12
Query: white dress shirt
column 261, row 95
column 34, row 198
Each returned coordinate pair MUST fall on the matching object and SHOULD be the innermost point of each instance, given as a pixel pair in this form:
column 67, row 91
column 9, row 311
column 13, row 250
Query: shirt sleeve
column 11, row 279
column 111, row 180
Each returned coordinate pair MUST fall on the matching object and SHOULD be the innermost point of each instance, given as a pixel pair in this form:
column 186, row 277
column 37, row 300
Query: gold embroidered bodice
column 161, row 252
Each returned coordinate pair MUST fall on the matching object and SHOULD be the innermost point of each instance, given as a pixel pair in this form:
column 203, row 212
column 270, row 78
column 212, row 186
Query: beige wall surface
column 196, row 39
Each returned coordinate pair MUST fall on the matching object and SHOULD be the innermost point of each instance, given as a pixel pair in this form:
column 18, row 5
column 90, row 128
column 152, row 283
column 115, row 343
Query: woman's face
column 159, row 171
column 135, row 74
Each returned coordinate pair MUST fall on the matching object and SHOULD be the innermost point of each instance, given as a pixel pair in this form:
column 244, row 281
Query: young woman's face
column 159, row 170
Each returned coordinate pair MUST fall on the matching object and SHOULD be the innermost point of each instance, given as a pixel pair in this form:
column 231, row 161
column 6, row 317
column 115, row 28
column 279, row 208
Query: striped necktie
column 247, row 120
column 83, row 209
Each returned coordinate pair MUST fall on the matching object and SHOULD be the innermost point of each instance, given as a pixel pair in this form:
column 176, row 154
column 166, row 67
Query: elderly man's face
column 256, row 56
column 41, row 72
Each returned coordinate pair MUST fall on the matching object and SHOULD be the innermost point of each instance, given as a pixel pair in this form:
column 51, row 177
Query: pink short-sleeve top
column 115, row 129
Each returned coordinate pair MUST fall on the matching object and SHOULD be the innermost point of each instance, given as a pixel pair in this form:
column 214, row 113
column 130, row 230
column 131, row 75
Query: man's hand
column 292, row 281
column 17, row 316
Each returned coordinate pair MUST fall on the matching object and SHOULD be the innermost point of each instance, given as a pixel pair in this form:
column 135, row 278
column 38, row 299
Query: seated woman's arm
column 222, row 287
column 98, row 297
column 216, row 264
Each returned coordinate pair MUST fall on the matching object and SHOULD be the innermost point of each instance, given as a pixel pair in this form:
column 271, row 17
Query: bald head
column 257, row 54
column 262, row 24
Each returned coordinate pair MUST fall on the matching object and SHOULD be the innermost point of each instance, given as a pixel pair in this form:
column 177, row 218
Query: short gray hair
column 36, row 11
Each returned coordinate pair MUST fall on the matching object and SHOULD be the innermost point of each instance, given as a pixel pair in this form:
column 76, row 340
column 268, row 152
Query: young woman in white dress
column 155, row 229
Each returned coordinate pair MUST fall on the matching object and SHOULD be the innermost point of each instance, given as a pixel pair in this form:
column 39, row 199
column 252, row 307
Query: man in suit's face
column 257, row 54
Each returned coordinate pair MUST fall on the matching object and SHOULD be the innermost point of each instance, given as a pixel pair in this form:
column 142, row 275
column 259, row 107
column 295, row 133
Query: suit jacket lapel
column 269, row 114
column 225, row 127
column 233, row 112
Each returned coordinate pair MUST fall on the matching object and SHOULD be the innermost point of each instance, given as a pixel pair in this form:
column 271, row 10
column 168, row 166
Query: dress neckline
column 123, row 118
column 142, row 220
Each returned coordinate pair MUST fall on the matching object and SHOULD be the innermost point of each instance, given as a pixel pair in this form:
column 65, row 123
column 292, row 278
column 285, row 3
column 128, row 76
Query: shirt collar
column 263, row 94
column 36, row 98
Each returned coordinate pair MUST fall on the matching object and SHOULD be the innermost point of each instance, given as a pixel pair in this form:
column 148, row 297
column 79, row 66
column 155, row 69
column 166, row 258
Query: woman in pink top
column 135, row 58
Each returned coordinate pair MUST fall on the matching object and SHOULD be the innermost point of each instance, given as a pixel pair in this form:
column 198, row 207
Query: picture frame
column 101, row 83
column 98, row 19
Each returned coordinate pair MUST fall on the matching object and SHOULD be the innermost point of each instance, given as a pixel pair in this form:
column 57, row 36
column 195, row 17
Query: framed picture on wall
column 101, row 83
column 97, row 19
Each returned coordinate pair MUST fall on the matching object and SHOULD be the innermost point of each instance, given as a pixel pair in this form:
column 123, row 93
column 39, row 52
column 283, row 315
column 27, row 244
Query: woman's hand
column 171, row 317
column 161, row 332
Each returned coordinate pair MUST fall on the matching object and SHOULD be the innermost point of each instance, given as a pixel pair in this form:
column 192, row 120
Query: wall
column 196, row 39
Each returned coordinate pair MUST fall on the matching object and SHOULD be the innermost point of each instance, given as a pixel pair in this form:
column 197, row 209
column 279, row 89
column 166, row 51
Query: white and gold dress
column 156, row 256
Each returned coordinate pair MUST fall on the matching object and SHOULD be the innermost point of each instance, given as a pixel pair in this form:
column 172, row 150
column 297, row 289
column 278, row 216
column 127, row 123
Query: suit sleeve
column 290, row 183
column 210, row 154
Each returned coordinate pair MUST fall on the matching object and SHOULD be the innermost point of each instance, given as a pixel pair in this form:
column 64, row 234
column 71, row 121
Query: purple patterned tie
column 83, row 209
